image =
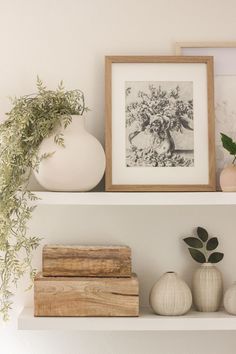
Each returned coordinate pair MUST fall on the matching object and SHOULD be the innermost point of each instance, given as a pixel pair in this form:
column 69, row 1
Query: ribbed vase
column 207, row 288
column 230, row 299
column 170, row 296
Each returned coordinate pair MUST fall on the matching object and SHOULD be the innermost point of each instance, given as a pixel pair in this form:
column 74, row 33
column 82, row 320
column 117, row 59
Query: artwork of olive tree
column 159, row 124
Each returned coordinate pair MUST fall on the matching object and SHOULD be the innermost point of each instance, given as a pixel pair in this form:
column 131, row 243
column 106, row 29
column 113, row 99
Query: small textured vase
column 230, row 299
column 170, row 296
column 228, row 179
column 207, row 288
column 79, row 166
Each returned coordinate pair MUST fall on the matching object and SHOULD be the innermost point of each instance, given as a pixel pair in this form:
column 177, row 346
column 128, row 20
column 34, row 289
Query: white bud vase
column 207, row 288
column 170, row 296
column 230, row 299
column 79, row 166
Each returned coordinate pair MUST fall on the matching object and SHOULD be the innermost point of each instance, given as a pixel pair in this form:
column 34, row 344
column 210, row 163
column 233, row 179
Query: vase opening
column 207, row 264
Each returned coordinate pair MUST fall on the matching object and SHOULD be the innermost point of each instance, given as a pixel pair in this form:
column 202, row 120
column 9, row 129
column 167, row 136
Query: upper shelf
column 158, row 198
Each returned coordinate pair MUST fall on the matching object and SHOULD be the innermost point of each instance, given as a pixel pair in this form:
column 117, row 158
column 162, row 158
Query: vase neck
column 207, row 264
column 77, row 124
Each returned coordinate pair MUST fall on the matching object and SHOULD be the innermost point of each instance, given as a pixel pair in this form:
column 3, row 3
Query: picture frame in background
column 225, row 87
column 160, row 123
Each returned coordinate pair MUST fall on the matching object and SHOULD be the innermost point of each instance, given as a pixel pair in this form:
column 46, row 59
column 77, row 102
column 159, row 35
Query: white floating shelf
column 158, row 198
column 193, row 321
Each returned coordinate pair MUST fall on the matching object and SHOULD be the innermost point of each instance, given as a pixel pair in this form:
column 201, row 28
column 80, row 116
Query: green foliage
column 206, row 244
column 31, row 119
column 215, row 257
column 229, row 145
column 212, row 244
column 193, row 242
column 197, row 255
column 202, row 234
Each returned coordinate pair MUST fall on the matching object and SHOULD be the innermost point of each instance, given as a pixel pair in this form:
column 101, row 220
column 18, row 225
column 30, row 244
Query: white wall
column 67, row 39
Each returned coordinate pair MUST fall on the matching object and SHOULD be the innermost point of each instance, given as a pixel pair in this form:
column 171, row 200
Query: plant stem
column 205, row 252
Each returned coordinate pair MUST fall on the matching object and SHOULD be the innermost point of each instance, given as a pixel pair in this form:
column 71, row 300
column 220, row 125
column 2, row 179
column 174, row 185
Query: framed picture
column 225, row 88
column 159, row 123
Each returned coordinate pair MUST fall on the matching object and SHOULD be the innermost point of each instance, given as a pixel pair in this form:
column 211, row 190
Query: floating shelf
column 158, row 198
column 193, row 321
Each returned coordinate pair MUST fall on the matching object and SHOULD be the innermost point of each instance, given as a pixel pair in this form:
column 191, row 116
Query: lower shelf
column 193, row 321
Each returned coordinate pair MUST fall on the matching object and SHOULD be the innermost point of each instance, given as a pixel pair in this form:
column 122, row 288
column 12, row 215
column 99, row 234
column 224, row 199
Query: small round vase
column 170, row 296
column 228, row 179
column 230, row 299
column 79, row 166
column 207, row 288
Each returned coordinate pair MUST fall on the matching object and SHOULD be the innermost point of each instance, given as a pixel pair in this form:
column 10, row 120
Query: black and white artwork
column 159, row 124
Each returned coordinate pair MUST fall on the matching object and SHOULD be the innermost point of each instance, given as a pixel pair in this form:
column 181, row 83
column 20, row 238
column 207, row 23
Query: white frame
column 225, row 69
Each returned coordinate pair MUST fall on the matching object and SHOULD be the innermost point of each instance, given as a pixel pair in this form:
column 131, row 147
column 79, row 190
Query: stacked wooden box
column 86, row 281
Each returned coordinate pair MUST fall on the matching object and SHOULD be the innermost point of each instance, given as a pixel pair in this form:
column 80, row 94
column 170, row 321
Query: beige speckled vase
column 207, row 288
column 230, row 299
column 228, row 179
column 170, row 296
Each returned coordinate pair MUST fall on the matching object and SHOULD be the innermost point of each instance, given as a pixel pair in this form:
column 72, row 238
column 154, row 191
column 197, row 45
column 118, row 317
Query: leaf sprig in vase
column 229, row 145
column 202, row 248
column 31, row 119
column 228, row 174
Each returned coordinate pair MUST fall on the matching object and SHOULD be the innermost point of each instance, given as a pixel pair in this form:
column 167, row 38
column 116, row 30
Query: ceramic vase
column 170, row 296
column 230, row 299
column 79, row 166
column 207, row 288
column 228, row 179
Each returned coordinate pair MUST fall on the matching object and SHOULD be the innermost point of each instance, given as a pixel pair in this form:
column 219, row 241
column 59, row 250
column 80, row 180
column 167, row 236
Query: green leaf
column 193, row 242
column 212, row 244
column 59, row 140
column 198, row 256
column 228, row 144
column 215, row 257
column 202, row 234
column 46, row 155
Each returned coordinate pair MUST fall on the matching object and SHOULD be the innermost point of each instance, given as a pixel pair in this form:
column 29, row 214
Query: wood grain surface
column 108, row 297
column 94, row 261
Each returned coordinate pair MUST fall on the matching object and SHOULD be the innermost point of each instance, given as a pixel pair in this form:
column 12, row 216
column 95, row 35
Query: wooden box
column 56, row 296
column 86, row 261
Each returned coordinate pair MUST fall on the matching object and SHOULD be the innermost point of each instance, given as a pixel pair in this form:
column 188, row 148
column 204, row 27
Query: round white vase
column 207, row 288
column 170, row 296
column 230, row 299
column 79, row 166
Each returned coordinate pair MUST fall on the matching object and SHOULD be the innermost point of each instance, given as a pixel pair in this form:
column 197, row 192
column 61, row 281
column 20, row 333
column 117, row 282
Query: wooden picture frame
column 224, row 86
column 117, row 75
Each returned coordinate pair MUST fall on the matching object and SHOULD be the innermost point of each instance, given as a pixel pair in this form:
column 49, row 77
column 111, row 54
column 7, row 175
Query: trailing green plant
column 31, row 119
column 229, row 145
column 201, row 247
